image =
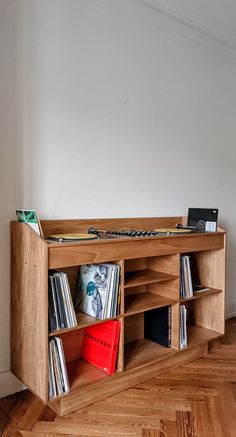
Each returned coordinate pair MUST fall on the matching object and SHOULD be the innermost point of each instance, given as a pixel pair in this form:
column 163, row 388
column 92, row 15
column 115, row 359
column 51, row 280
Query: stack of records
column 58, row 378
column 98, row 290
column 61, row 309
column 183, row 327
column 186, row 286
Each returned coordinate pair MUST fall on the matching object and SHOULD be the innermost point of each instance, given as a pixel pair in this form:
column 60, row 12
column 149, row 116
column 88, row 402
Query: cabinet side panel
column 29, row 309
column 209, row 312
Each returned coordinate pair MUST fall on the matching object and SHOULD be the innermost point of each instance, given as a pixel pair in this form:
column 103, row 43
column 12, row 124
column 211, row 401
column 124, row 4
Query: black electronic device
column 204, row 219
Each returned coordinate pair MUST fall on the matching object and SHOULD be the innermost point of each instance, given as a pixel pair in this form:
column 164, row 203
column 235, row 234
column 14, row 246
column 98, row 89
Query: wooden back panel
column 134, row 328
column 148, row 223
column 29, row 309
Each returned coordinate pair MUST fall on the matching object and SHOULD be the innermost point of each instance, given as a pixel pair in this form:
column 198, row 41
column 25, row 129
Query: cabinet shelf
column 201, row 294
column 138, row 303
column 81, row 374
column 140, row 352
column 83, row 320
column 142, row 277
column 199, row 335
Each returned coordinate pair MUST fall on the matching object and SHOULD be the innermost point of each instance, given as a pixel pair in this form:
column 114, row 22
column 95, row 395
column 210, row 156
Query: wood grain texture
column 134, row 327
column 167, row 264
column 118, row 382
column 154, row 281
column 71, row 254
column 149, row 223
column 196, row 400
column 142, row 277
column 29, row 309
column 169, row 289
column 210, row 267
column 137, row 303
column 175, row 325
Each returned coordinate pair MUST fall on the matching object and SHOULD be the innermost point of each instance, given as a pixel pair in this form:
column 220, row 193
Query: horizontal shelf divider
column 141, row 352
column 138, row 353
column 138, row 303
column 142, row 277
column 199, row 335
column 200, row 294
column 83, row 321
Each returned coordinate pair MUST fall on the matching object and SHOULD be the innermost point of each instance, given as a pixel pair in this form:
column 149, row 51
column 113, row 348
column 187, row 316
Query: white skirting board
column 229, row 316
column 9, row 384
column 230, row 309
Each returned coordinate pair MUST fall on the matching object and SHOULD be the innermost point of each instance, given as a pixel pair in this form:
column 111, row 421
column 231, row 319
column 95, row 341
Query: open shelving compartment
column 148, row 281
column 205, row 310
column 82, row 374
column 140, row 351
column 83, row 319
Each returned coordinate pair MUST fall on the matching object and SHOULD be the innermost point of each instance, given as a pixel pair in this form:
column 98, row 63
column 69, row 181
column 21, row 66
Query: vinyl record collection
column 186, row 285
column 61, row 308
column 58, row 378
column 183, row 327
column 98, row 290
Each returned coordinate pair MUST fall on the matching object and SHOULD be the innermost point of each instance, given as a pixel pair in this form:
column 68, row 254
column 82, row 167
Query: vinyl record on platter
column 72, row 237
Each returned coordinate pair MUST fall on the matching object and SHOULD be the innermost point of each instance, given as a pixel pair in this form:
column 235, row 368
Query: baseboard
column 230, row 310
column 9, row 384
column 229, row 316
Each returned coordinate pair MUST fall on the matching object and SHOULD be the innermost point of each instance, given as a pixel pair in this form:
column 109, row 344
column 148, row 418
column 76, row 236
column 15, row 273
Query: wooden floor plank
column 32, row 414
column 87, row 429
column 228, row 405
column 202, row 423
column 48, row 415
column 150, row 433
column 216, row 417
column 168, row 428
column 185, row 424
column 107, row 414
column 174, row 390
column 48, row 434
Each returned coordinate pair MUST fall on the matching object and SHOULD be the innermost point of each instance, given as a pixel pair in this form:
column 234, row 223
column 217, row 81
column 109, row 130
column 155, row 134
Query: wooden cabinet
column 149, row 279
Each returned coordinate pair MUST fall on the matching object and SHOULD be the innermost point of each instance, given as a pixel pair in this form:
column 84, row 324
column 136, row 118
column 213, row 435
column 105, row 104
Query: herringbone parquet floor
column 196, row 400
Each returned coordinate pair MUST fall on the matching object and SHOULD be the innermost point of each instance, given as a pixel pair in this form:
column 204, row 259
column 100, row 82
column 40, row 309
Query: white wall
column 110, row 108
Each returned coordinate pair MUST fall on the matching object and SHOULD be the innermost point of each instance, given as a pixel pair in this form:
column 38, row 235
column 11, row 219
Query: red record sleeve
column 100, row 345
